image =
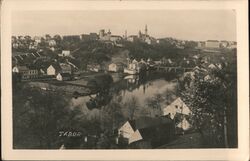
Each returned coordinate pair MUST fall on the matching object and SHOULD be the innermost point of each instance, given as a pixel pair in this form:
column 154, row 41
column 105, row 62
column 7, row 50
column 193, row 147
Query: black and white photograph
column 124, row 79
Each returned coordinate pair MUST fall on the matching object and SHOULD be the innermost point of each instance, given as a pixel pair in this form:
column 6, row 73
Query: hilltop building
column 212, row 44
column 143, row 37
column 103, row 36
column 89, row 37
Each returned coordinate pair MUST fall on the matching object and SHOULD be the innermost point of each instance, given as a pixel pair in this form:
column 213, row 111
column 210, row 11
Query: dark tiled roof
column 65, row 74
column 146, row 122
column 32, row 67
column 22, row 68
column 56, row 66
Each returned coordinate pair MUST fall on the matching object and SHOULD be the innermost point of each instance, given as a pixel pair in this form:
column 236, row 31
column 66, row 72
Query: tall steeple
column 139, row 34
column 146, row 30
column 125, row 34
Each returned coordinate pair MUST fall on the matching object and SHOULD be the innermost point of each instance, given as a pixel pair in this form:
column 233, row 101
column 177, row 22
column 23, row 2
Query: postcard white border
column 241, row 153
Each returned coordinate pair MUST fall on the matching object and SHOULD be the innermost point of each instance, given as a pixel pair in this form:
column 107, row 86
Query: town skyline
column 204, row 25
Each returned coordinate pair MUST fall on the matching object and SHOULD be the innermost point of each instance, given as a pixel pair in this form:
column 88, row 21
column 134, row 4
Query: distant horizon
column 52, row 35
column 191, row 25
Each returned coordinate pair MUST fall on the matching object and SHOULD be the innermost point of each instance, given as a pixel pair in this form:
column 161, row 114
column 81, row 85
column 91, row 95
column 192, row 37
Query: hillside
column 97, row 52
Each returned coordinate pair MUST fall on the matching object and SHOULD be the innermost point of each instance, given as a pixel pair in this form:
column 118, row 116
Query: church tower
column 146, row 30
column 125, row 36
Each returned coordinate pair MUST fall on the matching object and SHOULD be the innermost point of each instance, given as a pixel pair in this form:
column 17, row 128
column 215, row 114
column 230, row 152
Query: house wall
column 126, row 130
column 32, row 73
column 212, row 44
column 65, row 53
column 178, row 106
column 59, row 77
column 51, row 70
column 136, row 136
column 113, row 67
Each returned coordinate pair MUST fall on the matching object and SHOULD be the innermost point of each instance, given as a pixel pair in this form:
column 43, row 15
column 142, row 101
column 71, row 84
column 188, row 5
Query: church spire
column 146, row 30
column 125, row 34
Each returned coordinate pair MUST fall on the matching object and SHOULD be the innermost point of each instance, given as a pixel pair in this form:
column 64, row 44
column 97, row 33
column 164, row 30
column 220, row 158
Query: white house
column 212, row 66
column 146, row 128
column 133, row 65
column 178, row 106
column 53, row 69
column 65, row 53
column 115, row 67
column 126, row 130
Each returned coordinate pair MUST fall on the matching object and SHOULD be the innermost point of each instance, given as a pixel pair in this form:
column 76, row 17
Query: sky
column 196, row 25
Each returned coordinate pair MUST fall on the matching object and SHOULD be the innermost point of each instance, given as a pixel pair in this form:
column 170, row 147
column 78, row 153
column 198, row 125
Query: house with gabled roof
column 177, row 106
column 178, row 110
column 53, row 69
column 212, row 66
column 146, row 129
column 26, row 72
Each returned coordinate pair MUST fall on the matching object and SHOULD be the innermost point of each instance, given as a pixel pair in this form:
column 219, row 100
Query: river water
column 131, row 90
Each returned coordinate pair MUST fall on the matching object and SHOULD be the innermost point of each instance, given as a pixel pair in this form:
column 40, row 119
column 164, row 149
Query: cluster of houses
column 132, row 66
column 175, row 119
column 55, row 70
column 202, row 71
column 158, row 130
column 151, row 132
column 53, row 42
column 27, row 42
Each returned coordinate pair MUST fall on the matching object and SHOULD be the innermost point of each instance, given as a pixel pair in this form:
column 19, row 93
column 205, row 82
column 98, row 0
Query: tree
column 154, row 105
column 47, row 37
column 213, row 103
column 58, row 39
column 112, row 115
column 131, row 107
column 38, row 117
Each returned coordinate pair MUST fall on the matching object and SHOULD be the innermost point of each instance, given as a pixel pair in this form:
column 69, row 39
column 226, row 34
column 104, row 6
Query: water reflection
column 101, row 99
column 141, row 87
